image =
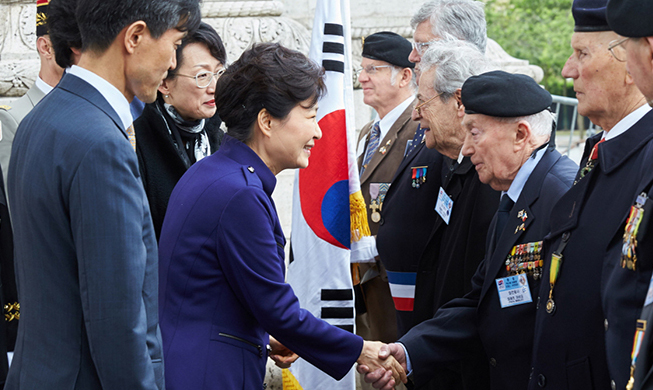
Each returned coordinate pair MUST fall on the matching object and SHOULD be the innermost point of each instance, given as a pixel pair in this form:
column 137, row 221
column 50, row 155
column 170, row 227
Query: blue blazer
column 86, row 257
column 506, row 334
column 222, row 281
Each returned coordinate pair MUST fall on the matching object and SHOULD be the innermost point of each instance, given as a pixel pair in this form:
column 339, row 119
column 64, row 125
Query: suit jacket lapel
column 388, row 142
column 514, row 229
column 81, row 88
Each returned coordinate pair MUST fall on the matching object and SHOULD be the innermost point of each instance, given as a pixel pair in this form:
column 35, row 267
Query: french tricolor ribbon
column 402, row 288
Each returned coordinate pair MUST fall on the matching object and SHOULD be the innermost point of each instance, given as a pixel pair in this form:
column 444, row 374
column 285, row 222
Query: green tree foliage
column 536, row 30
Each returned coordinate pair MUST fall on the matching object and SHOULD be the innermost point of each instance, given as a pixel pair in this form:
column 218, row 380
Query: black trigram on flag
column 333, row 48
column 337, row 308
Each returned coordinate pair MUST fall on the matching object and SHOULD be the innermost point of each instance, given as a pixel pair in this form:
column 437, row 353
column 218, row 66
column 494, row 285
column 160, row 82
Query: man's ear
column 44, row 47
column 406, row 77
column 523, row 135
column 164, row 88
column 460, row 108
column 134, row 35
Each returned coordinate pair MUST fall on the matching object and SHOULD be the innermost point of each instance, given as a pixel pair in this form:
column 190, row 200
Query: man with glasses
column 387, row 80
column 437, row 19
column 594, row 285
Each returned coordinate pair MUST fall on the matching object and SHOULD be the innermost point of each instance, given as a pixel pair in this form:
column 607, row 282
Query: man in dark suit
column 631, row 18
column 460, row 207
column 89, row 283
column 388, row 86
column 507, row 126
column 591, row 295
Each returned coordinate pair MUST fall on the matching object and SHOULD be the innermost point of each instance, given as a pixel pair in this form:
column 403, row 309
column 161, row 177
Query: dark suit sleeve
column 252, row 261
column 448, row 337
column 107, row 222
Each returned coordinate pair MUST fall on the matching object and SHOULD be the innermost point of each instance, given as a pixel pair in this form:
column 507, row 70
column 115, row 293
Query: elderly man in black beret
column 595, row 278
column 507, row 130
column 388, row 86
column 632, row 19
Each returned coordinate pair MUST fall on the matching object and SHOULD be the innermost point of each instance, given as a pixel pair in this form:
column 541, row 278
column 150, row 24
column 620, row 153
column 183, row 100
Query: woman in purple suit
column 222, row 290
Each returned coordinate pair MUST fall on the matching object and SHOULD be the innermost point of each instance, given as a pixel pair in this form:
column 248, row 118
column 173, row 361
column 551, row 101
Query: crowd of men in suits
column 501, row 264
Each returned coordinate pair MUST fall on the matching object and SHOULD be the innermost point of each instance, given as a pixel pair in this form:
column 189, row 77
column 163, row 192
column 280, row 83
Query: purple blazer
column 222, row 288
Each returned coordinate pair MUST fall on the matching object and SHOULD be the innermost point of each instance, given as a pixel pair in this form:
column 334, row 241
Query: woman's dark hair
column 266, row 76
column 204, row 34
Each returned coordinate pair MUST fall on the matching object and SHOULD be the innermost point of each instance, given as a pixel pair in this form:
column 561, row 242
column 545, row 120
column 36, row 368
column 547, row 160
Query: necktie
column 502, row 216
column 417, row 139
column 372, row 145
column 591, row 161
column 131, row 136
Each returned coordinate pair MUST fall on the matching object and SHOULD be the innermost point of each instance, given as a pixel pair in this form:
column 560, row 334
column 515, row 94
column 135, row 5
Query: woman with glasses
column 181, row 126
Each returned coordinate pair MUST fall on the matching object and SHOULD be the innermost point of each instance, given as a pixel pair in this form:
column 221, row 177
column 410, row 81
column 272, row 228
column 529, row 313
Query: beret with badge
column 631, row 18
column 42, row 17
column 389, row 47
column 503, row 94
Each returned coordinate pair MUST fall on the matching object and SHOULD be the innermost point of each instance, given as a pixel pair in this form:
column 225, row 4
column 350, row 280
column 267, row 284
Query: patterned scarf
column 201, row 147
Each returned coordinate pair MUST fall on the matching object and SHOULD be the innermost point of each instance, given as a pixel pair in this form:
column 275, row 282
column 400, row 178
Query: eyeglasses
column 371, row 69
column 204, row 79
column 418, row 107
column 619, row 55
column 421, row 47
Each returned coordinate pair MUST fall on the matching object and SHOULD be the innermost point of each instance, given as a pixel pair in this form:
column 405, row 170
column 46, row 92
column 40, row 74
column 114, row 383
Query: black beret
column 589, row 15
column 631, row 18
column 504, row 94
column 389, row 47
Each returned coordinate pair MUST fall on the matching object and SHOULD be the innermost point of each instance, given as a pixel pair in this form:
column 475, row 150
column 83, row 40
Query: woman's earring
column 166, row 96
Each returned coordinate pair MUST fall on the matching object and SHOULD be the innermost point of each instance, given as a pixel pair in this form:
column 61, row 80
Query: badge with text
column 513, row 290
column 444, row 206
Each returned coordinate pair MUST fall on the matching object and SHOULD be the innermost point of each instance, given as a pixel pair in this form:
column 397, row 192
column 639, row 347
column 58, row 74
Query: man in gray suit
column 49, row 75
column 84, row 243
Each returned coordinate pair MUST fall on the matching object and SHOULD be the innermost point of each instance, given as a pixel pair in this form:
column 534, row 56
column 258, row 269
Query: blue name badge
column 513, row 290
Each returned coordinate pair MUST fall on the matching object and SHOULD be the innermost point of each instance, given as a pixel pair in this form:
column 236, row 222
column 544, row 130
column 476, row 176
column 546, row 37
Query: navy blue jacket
column 506, row 334
column 586, row 342
column 222, row 287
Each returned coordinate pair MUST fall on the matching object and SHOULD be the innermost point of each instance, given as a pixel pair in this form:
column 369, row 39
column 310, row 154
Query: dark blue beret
column 389, row 47
column 504, row 94
column 631, row 18
column 589, row 15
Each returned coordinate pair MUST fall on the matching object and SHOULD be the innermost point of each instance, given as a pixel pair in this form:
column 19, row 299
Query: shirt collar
column 626, row 123
column 389, row 120
column 523, row 174
column 42, row 85
column 114, row 97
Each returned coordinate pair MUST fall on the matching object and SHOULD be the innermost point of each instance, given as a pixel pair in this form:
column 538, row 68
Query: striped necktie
column 372, row 145
column 132, row 136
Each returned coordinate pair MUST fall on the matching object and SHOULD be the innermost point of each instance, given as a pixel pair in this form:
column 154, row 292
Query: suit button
column 493, row 362
column 541, row 380
column 605, row 324
column 382, row 221
column 613, row 385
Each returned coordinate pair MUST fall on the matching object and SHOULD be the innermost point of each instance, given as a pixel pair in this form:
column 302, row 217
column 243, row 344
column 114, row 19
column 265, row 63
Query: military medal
column 637, row 344
column 418, row 176
column 374, row 202
column 524, row 258
column 635, row 217
column 556, row 260
column 383, row 190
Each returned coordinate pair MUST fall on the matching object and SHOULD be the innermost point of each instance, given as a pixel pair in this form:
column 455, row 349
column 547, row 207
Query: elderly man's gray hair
column 541, row 122
column 454, row 61
column 462, row 19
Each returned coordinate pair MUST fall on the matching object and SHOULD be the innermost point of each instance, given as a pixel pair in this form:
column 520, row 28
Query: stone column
column 19, row 63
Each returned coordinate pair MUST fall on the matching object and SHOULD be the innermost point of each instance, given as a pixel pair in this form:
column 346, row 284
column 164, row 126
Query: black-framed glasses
column 204, row 79
column 371, row 69
column 418, row 107
column 618, row 55
column 421, row 47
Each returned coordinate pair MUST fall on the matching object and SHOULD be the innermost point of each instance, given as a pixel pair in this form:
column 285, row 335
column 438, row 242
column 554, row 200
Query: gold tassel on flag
column 358, row 214
column 289, row 381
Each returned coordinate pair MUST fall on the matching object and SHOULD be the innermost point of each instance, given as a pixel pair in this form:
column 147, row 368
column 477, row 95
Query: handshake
column 384, row 365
